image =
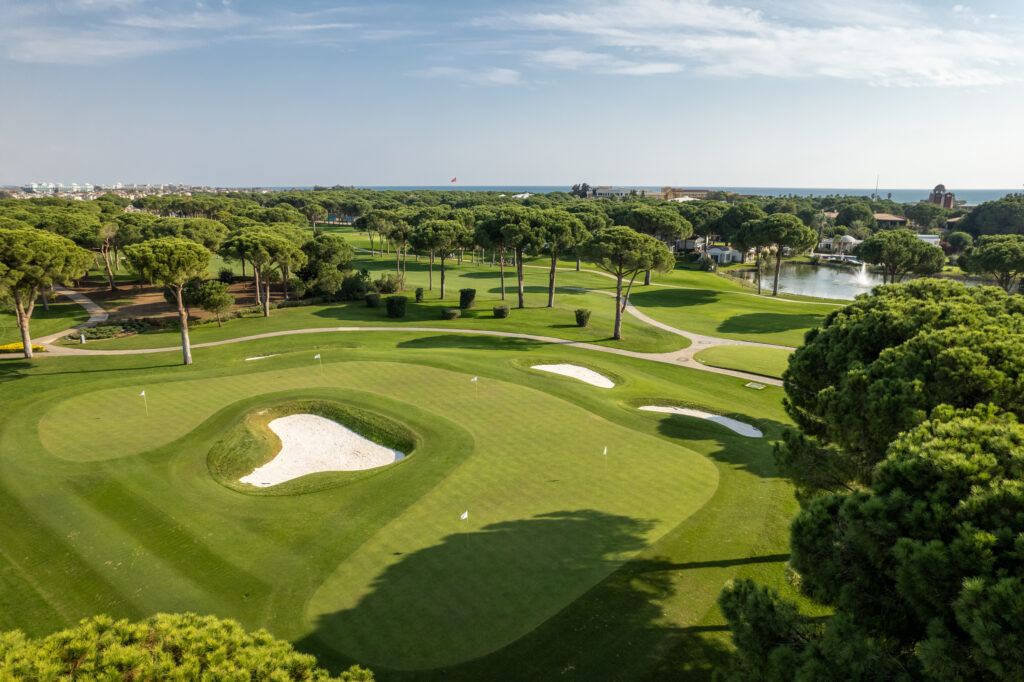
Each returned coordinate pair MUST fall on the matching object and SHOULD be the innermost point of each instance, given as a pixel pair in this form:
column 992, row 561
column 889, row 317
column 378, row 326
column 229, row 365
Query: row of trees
column 909, row 466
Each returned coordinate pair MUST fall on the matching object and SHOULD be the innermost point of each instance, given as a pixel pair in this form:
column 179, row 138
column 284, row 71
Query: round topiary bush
column 226, row 275
column 501, row 311
column 419, row 294
column 396, row 306
column 467, row 298
column 373, row 300
column 582, row 317
column 450, row 313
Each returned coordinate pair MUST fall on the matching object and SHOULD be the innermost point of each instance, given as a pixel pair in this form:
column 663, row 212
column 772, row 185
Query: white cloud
column 491, row 76
column 567, row 58
column 880, row 44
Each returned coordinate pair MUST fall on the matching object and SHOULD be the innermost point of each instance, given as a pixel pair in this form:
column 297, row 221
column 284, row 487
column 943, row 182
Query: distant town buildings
column 942, row 198
column 87, row 191
column 670, row 193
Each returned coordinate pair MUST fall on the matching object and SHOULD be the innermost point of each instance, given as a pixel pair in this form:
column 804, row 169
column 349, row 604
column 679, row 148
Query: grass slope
column 771, row 362
column 564, row 557
column 59, row 317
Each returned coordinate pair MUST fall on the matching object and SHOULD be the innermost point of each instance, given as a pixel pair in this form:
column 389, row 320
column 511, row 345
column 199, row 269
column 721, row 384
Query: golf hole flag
column 605, row 450
column 316, row 357
column 473, row 379
column 142, row 395
column 465, row 516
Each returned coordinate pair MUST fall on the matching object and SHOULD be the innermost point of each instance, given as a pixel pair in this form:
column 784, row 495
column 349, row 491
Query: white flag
column 605, row 450
column 142, row 395
column 316, row 357
column 473, row 379
column 465, row 515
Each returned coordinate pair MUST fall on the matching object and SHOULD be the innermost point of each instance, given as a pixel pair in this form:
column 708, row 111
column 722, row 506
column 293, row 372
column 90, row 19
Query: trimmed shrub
column 582, row 317
column 501, row 311
column 467, row 298
column 19, row 348
column 373, row 300
column 389, row 283
column 297, row 287
column 226, row 275
column 419, row 294
column 450, row 313
column 396, row 306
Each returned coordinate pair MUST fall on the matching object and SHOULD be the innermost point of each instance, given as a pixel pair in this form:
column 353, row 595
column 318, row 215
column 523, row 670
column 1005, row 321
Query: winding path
column 698, row 342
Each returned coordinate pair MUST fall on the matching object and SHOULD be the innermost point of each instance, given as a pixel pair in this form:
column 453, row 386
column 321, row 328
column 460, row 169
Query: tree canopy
column 1005, row 216
column 878, row 366
column 924, row 570
column 900, row 253
column 998, row 255
column 623, row 252
column 31, row 261
column 163, row 647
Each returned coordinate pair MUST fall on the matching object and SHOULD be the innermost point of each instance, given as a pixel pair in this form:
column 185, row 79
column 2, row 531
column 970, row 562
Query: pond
column 844, row 282
column 820, row 281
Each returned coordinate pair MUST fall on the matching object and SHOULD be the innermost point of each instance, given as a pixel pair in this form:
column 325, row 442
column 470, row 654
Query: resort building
column 941, row 197
column 677, row 193
column 888, row 220
column 619, row 192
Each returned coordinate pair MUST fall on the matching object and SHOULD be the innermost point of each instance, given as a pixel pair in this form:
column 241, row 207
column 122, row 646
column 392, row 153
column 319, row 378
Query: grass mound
column 250, row 443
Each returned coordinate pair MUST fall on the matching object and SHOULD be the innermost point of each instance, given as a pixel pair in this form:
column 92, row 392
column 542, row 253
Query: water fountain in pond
column 862, row 279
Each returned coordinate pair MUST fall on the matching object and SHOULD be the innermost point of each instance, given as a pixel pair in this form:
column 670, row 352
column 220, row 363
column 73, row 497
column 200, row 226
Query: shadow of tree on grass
column 767, row 323
column 474, row 591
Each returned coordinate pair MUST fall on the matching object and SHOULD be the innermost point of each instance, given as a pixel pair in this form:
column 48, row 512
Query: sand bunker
column 739, row 427
column 310, row 444
column 577, row 372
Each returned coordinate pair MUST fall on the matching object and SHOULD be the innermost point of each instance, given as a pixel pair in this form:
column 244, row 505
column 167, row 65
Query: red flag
column 453, row 179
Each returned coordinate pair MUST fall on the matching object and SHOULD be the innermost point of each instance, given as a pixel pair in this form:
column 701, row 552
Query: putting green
column 110, row 510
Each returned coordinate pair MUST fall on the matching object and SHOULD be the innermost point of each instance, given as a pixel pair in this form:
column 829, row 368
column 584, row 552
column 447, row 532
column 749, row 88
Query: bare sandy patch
column 261, row 357
column 311, row 444
column 576, row 372
column 739, row 427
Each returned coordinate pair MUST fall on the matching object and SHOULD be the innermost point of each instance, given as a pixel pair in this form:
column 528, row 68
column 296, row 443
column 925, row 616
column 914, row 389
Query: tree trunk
column 430, row 272
column 578, row 259
column 519, row 276
column 757, row 268
column 617, row 333
column 186, row 345
column 405, row 257
column 551, row 280
column 398, row 263
column 501, row 270
column 23, row 318
column 243, row 268
column 256, row 272
column 46, row 303
column 219, row 323
column 266, row 300
column 110, row 272
column 647, row 278
column 442, row 276
column 629, row 288
column 778, row 268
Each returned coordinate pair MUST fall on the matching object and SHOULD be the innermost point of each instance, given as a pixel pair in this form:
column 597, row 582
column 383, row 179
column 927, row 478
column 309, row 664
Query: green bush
column 355, row 286
column 396, row 306
column 450, row 313
column 226, row 275
column 467, row 298
column 162, row 647
column 373, row 300
column 501, row 311
column 297, row 287
column 107, row 331
column 389, row 283
column 582, row 317
column 419, row 294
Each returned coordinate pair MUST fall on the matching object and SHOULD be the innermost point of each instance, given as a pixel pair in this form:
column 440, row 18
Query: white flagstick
column 145, row 401
column 465, row 517
column 477, row 384
column 605, row 453
column 317, row 357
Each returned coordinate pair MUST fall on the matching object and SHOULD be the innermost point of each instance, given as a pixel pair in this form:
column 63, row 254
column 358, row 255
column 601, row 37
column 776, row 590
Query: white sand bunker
column 311, row 444
column 739, row 427
column 577, row 372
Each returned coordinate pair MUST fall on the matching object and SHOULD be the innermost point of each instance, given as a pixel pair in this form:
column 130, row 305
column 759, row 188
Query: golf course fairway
column 569, row 559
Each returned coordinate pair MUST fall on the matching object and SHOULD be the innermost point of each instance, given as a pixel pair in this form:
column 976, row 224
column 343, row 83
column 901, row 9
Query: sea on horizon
column 902, row 196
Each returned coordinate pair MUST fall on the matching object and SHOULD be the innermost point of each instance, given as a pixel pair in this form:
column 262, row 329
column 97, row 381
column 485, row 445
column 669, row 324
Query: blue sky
column 797, row 93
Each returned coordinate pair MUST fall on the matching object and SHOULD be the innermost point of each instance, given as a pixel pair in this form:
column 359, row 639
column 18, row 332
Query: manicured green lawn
column 732, row 315
column 61, row 316
column 568, row 558
column 770, row 362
